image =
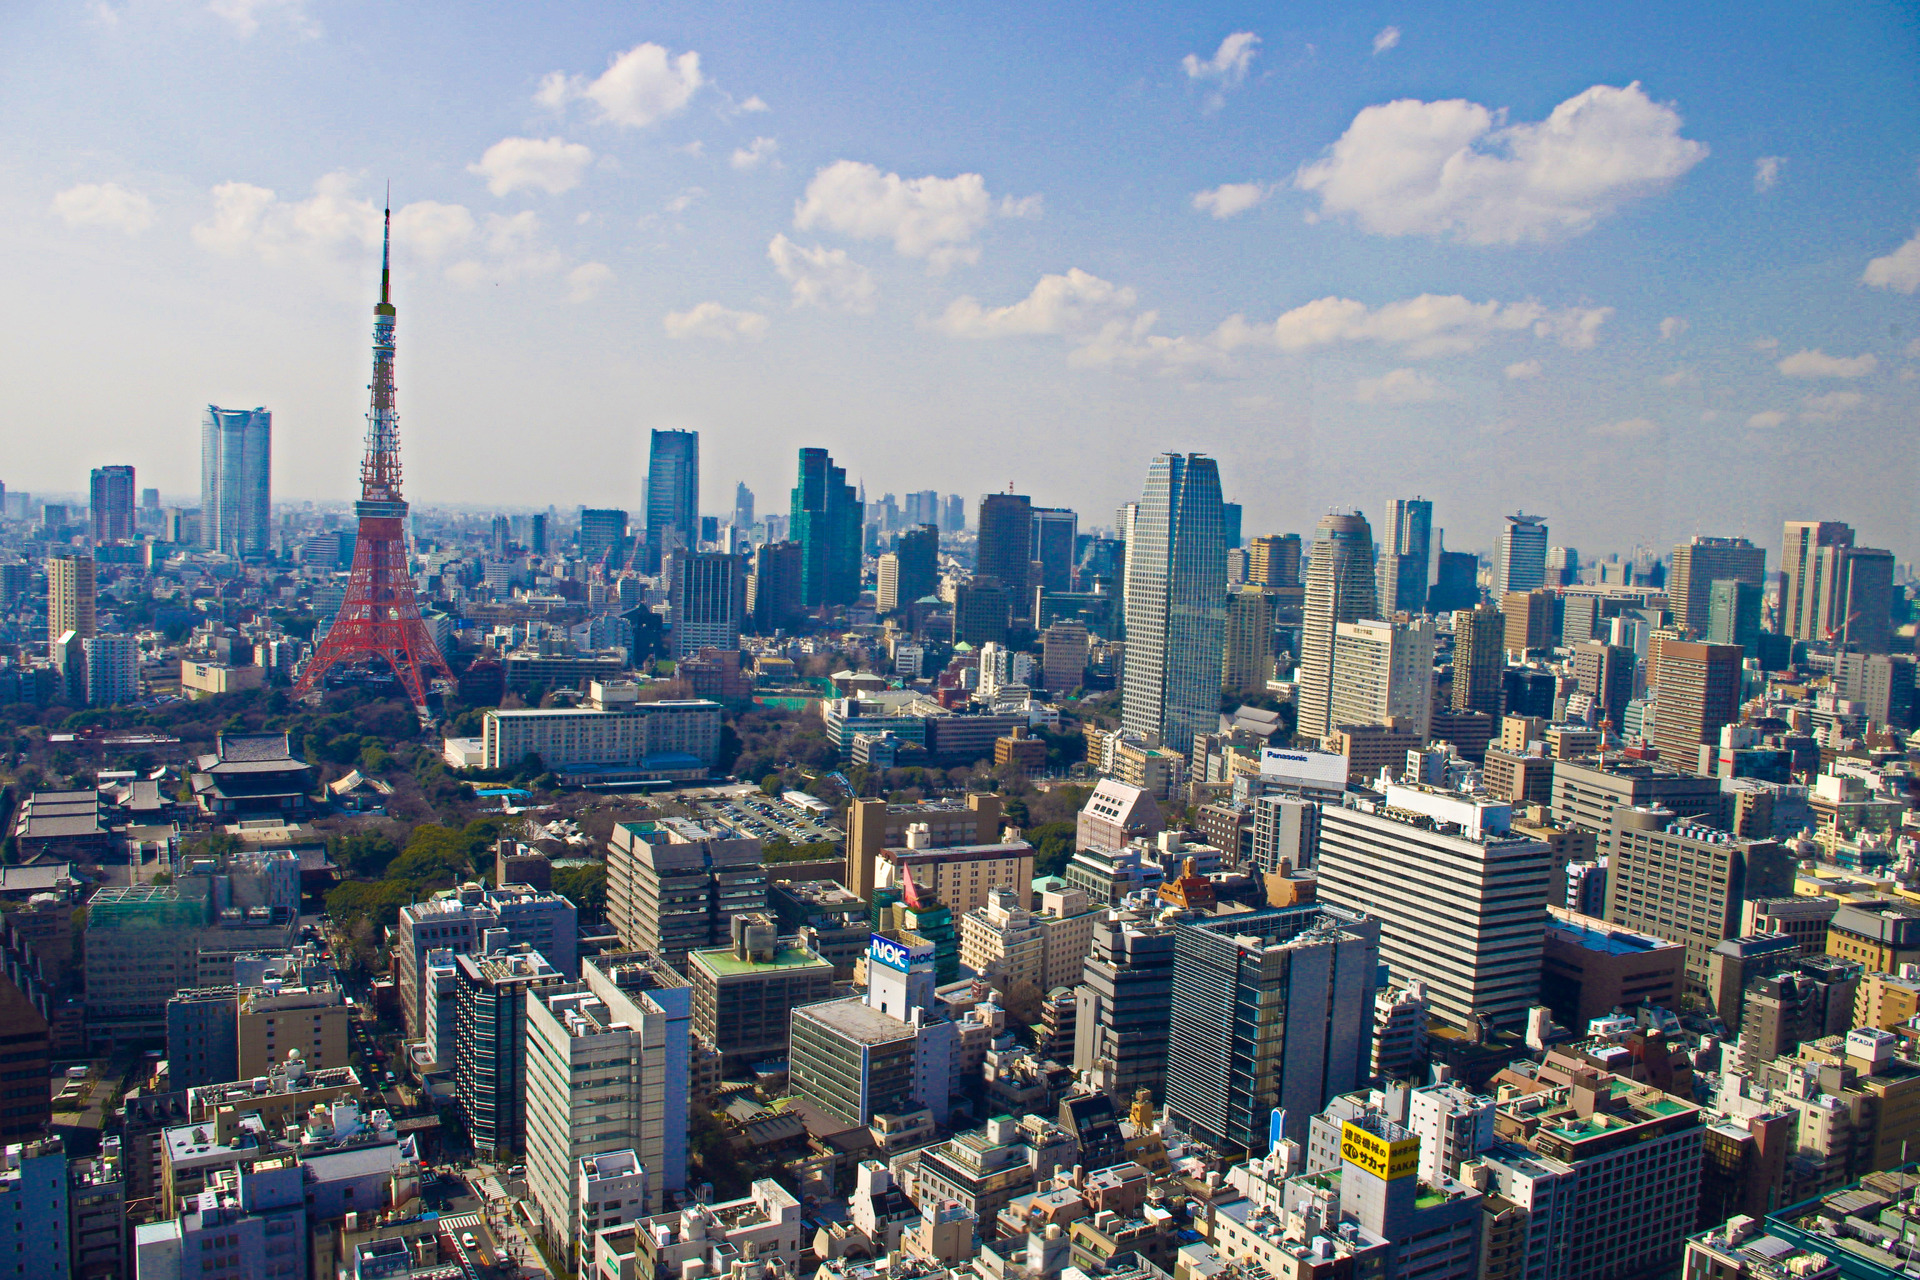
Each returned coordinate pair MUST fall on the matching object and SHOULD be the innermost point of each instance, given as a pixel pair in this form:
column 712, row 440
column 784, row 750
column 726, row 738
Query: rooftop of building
column 854, row 1020
column 1595, row 934
column 723, row 963
column 606, row 713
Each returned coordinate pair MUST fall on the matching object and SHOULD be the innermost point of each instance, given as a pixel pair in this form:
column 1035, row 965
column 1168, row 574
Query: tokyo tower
column 380, row 618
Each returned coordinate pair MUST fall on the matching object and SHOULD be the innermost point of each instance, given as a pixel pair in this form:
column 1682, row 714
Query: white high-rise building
column 1340, row 588
column 1176, row 603
column 1522, row 563
column 608, row 1064
column 236, row 463
column 1461, row 902
column 1384, row 669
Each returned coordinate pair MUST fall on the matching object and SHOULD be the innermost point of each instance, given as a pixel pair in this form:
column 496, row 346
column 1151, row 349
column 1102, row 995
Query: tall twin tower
column 380, row 617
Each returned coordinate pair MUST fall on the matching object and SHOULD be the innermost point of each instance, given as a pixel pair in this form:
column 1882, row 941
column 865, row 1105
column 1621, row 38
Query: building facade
column 1176, row 584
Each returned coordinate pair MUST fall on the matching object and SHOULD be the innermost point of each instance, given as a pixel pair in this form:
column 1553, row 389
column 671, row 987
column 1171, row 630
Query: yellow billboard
column 1376, row 1155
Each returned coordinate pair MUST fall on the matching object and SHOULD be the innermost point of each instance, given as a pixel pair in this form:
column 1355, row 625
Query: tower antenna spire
column 386, row 247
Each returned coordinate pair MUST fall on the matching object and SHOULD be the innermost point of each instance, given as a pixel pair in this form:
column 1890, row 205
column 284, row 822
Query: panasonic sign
column 1319, row 769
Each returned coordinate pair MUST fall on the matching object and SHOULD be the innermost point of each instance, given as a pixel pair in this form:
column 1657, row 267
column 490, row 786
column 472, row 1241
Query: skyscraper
column 1523, row 555
column 1176, row 588
column 1006, row 543
column 1274, row 562
column 918, row 553
column 1340, row 588
column 1733, row 614
column 1479, row 660
column 1271, row 1010
column 1383, row 670
column 826, row 521
column 1605, row 673
column 742, row 506
column 673, row 494
column 1230, row 514
column 236, row 460
column 1460, row 899
column 774, row 586
column 602, row 529
column 1831, row 589
column 70, row 597
column 709, row 601
column 110, row 504
column 1699, row 692
column 1698, row 564
column 954, row 518
column 1055, row 530
column 1405, row 556
column 1248, row 661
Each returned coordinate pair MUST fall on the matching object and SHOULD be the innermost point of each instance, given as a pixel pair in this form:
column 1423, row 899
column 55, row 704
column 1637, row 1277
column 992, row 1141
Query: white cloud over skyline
column 104, row 204
column 1458, row 170
column 552, row 165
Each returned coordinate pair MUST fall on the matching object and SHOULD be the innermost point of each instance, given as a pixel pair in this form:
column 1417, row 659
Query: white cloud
column 1684, row 376
column 754, row 154
column 1400, row 386
column 1457, row 169
column 1766, row 172
column 684, row 199
column 1766, row 344
column 334, row 230
column 931, row 218
column 551, row 164
column 1388, row 38
column 586, row 280
column 1228, row 65
column 1523, row 370
column 1830, row 406
column 1429, row 325
column 711, row 320
column 1766, row 420
column 245, row 15
column 1627, row 429
column 1098, row 320
column 642, row 86
column 104, row 204
column 431, row 229
column 753, row 104
column 1899, row 270
column 1672, row 327
column 1818, row 364
column 1074, row 304
column 822, row 277
column 1234, row 197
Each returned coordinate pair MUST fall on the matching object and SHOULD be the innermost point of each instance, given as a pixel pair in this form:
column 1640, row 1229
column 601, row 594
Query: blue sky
column 1649, row 272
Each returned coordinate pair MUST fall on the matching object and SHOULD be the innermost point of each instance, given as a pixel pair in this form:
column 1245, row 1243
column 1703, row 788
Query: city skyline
column 1490, row 347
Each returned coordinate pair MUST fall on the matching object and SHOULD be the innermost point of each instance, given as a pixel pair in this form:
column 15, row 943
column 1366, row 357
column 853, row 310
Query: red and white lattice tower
column 380, row 618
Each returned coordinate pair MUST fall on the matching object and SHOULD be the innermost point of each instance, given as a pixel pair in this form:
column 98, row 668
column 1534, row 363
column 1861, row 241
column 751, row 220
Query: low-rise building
column 614, row 737
column 1590, row 968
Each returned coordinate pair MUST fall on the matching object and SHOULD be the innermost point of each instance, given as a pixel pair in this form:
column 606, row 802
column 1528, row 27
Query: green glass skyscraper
column 825, row 521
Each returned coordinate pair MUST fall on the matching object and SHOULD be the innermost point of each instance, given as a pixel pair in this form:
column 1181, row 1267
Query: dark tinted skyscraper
column 673, row 493
column 1176, row 590
column 742, row 506
column 1055, row 529
column 602, row 529
column 1272, row 1009
column 825, row 521
column 1006, row 541
column 110, row 504
column 236, row 457
column 1405, row 544
column 918, row 550
column 774, row 586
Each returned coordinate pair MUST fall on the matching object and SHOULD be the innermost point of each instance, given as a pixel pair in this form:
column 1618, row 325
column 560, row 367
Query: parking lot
column 766, row 818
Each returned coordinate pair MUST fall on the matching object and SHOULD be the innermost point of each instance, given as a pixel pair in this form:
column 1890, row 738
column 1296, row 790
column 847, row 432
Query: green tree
column 363, row 853
column 585, row 886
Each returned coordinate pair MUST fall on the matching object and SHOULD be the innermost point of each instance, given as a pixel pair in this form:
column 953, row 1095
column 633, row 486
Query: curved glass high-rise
column 236, row 460
column 1340, row 588
column 1176, row 596
column 673, row 494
